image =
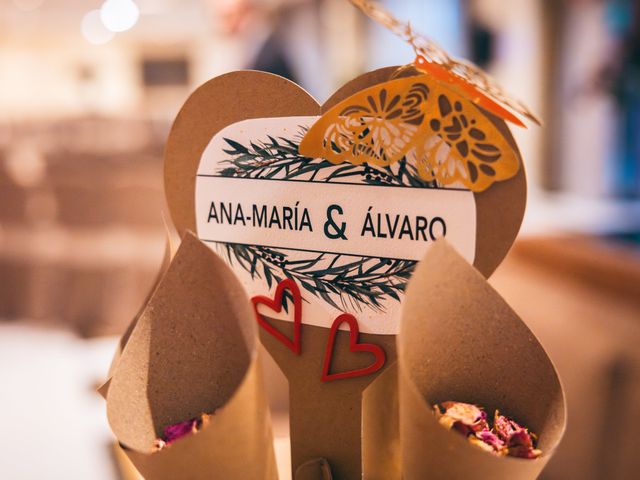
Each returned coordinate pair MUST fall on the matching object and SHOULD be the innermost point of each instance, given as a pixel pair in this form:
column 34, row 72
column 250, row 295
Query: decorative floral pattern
column 380, row 129
column 421, row 120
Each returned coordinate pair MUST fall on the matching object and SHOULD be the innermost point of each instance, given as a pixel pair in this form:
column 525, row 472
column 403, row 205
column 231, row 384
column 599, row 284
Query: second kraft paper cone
column 192, row 352
column 460, row 341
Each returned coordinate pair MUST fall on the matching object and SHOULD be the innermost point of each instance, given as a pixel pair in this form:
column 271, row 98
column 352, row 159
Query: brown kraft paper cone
column 166, row 259
column 460, row 341
column 193, row 351
column 381, row 455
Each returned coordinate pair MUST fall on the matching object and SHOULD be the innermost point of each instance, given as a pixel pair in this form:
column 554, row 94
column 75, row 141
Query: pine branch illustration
column 363, row 281
column 280, row 158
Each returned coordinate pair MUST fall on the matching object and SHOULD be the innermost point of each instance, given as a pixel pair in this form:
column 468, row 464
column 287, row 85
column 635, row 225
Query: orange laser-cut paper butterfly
column 447, row 136
column 434, row 119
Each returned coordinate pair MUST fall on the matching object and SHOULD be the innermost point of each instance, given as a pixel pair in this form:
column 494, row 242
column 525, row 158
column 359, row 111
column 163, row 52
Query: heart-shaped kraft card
column 318, row 223
column 186, row 398
column 460, row 342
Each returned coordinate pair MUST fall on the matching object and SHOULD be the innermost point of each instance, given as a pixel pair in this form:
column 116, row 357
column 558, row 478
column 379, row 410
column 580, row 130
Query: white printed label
column 360, row 220
column 349, row 235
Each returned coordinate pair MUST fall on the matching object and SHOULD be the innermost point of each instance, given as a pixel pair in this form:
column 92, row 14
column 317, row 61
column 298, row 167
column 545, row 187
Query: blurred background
column 88, row 89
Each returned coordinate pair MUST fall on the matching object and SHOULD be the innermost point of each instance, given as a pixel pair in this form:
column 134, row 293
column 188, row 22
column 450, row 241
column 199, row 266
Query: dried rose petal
column 519, row 441
column 171, row 433
column 463, row 417
column 504, row 426
column 474, row 440
column 524, row 452
column 492, row 440
column 174, row 432
column 520, row 438
column 505, row 438
column 159, row 444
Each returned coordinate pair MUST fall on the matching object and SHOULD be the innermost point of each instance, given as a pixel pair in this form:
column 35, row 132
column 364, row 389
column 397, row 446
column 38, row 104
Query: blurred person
column 278, row 36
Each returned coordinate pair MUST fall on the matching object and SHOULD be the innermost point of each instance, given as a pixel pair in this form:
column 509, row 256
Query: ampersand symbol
column 337, row 231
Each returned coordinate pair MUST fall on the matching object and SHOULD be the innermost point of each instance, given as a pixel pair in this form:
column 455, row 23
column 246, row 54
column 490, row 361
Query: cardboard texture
column 125, row 468
column 381, row 455
column 193, row 351
column 220, row 102
column 316, row 469
column 460, row 341
column 325, row 417
column 166, row 259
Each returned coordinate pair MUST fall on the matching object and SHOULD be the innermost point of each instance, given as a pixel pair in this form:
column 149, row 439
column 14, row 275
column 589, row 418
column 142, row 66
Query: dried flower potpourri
column 176, row 431
column 504, row 438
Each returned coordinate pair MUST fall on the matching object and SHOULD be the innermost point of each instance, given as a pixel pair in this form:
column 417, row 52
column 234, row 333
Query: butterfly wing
column 377, row 125
column 448, row 137
column 436, row 161
column 461, row 145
